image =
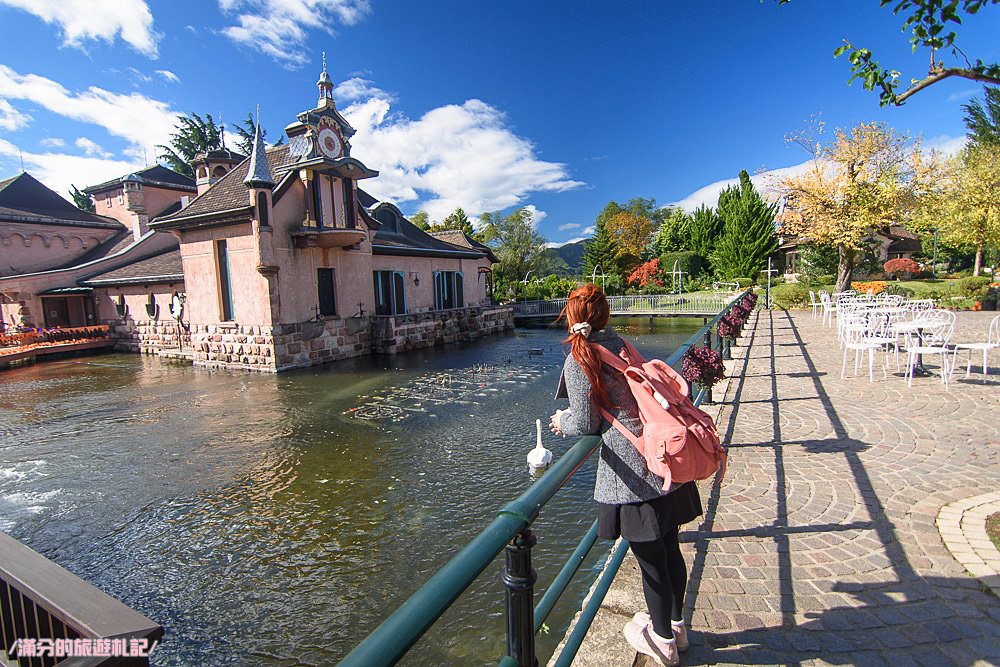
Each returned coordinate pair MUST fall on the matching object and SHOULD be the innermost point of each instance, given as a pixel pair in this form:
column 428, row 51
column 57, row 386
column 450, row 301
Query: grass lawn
column 993, row 528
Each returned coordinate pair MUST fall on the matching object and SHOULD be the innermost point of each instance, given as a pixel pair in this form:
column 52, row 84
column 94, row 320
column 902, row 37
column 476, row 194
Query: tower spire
column 325, row 85
column 259, row 172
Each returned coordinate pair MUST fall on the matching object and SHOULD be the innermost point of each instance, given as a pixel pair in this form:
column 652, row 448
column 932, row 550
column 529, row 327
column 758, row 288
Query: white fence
column 642, row 304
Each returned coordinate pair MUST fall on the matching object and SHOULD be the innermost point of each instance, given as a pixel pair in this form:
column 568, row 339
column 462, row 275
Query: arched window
column 202, row 172
column 219, row 171
column 262, row 209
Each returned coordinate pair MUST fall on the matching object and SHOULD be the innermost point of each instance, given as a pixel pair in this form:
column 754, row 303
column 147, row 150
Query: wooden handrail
column 41, row 600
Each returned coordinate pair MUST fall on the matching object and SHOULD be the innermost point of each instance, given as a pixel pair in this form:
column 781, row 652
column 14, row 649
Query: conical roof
column 258, row 173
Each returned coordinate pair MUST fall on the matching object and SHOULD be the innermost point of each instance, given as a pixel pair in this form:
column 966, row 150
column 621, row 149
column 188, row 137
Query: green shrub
column 893, row 288
column 689, row 262
column 743, row 282
column 974, row 286
column 826, row 279
column 790, row 296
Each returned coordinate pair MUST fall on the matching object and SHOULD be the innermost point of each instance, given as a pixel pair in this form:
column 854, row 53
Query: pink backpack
column 679, row 442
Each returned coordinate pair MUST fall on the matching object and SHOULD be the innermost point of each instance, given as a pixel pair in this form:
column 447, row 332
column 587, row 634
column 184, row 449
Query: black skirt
column 649, row 520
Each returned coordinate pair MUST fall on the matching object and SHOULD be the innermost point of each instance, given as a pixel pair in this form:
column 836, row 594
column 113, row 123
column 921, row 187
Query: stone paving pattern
column 821, row 545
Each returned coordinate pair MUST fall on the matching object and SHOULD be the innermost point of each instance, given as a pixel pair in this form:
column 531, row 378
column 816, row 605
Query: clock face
column 329, row 143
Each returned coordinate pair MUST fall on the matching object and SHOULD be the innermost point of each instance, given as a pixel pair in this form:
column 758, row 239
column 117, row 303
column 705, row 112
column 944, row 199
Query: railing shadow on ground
column 894, row 615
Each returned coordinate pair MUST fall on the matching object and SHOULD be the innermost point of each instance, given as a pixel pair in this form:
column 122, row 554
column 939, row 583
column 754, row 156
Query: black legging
column 664, row 579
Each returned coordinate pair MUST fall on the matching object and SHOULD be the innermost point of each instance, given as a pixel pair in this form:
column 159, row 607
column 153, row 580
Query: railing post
column 519, row 578
column 708, row 344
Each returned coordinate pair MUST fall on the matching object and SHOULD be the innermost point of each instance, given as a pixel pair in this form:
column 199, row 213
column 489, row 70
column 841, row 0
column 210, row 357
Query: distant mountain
column 571, row 255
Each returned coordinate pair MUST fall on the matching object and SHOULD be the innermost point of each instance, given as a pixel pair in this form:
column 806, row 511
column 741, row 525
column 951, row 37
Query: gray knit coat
column 622, row 476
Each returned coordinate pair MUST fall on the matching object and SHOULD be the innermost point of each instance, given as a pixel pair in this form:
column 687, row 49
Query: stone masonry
column 402, row 333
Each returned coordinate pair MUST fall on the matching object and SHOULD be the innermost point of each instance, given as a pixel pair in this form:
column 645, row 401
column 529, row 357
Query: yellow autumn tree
column 859, row 183
column 965, row 202
column 631, row 233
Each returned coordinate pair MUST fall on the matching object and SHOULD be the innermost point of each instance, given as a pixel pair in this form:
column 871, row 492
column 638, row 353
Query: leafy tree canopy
column 674, row 234
column 518, row 247
column 630, row 233
column 931, row 24
column 861, row 182
column 982, row 118
column 81, row 200
column 706, row 227
column 194, row 135
column 420, row 220
column 245, row 131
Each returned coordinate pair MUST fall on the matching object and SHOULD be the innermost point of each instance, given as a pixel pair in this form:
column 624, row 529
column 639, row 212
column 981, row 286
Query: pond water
column 277, row 520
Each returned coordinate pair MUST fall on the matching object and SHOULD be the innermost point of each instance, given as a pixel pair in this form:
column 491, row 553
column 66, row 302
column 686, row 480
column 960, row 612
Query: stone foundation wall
column 395, row 334
column 313, row 343
column 148, row 336
column 282, row 347
column 234, row 346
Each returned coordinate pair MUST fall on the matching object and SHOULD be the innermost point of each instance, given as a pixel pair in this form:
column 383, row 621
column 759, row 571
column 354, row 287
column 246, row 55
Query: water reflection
column 260, row 523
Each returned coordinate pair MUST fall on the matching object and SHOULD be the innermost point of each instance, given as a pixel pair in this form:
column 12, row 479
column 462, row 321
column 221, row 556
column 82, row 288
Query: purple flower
column 703, row 365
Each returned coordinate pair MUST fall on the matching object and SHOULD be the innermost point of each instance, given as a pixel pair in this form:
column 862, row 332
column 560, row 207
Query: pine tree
column 748, row 236
column 81, row 200
column 706, row 226
column 674, row 234
column 601, row 251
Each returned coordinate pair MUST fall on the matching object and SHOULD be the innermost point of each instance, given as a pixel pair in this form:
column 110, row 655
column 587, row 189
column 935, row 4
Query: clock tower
column 319, row 144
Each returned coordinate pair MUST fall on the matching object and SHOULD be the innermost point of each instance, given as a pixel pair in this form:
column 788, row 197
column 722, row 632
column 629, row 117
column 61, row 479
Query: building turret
column 260, row 184
column 211, row 166
column 135, row 203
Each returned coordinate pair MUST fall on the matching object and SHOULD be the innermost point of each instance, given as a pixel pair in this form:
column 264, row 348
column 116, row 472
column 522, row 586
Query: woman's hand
column 554, row 423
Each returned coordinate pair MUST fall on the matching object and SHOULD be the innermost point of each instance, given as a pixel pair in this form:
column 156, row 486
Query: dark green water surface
column 261, row 522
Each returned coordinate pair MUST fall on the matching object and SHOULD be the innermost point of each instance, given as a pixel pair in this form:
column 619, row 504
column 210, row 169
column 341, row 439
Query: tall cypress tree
column 705, row 229
column 747, row 232
column 601, row 250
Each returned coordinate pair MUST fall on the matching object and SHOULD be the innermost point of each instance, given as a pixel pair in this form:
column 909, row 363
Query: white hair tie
column 582, row 328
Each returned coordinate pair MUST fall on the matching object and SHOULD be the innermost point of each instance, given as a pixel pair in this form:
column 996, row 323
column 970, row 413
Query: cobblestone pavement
column 821, row 545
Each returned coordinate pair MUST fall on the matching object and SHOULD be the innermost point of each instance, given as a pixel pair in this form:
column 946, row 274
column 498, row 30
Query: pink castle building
column 276, row 261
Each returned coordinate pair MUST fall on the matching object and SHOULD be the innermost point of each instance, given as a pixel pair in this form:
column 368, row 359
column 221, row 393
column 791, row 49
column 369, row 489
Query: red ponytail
column 588, row 304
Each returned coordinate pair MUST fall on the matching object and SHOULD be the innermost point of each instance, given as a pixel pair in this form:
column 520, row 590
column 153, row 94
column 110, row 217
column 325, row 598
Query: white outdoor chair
column 992, row 342
column 860, row 331
column 814, row 303
column 829, row 307
column 938, row 328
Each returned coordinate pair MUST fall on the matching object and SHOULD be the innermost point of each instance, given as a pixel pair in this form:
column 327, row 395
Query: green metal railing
column 510, row 531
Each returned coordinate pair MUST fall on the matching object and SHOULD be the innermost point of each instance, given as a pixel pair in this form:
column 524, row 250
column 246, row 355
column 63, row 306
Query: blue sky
column 561, row 106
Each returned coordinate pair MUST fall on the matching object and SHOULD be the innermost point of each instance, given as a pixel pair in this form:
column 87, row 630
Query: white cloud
column 10, row 118
column 945, row 144
column 278, row 28
column 91, row 148
column 82, row 20
column 589, row 231
column 357, row 88
column 52, row 142
column 961, row 95
column 58, row 170
column 145, row 78
column 454, row 155
column 568, row 226
column 140, row 120
column 168, row 75
column 537, row 215
column 763, row 181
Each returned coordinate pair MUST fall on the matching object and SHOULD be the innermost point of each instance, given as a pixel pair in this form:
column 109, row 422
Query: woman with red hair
column 631, row 500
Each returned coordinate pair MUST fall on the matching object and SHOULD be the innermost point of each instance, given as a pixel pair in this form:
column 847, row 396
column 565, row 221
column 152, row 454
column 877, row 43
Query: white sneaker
column 641, row 638
column 680, row 631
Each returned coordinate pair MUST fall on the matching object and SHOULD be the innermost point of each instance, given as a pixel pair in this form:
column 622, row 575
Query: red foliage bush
column 647, row 274
column 901, row 265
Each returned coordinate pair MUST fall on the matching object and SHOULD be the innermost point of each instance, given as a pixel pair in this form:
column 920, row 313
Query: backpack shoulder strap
column 611, row 359
column 621, row 427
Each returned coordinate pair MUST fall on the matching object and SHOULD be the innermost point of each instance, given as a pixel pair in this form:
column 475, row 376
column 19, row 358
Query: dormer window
column 219, row 172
